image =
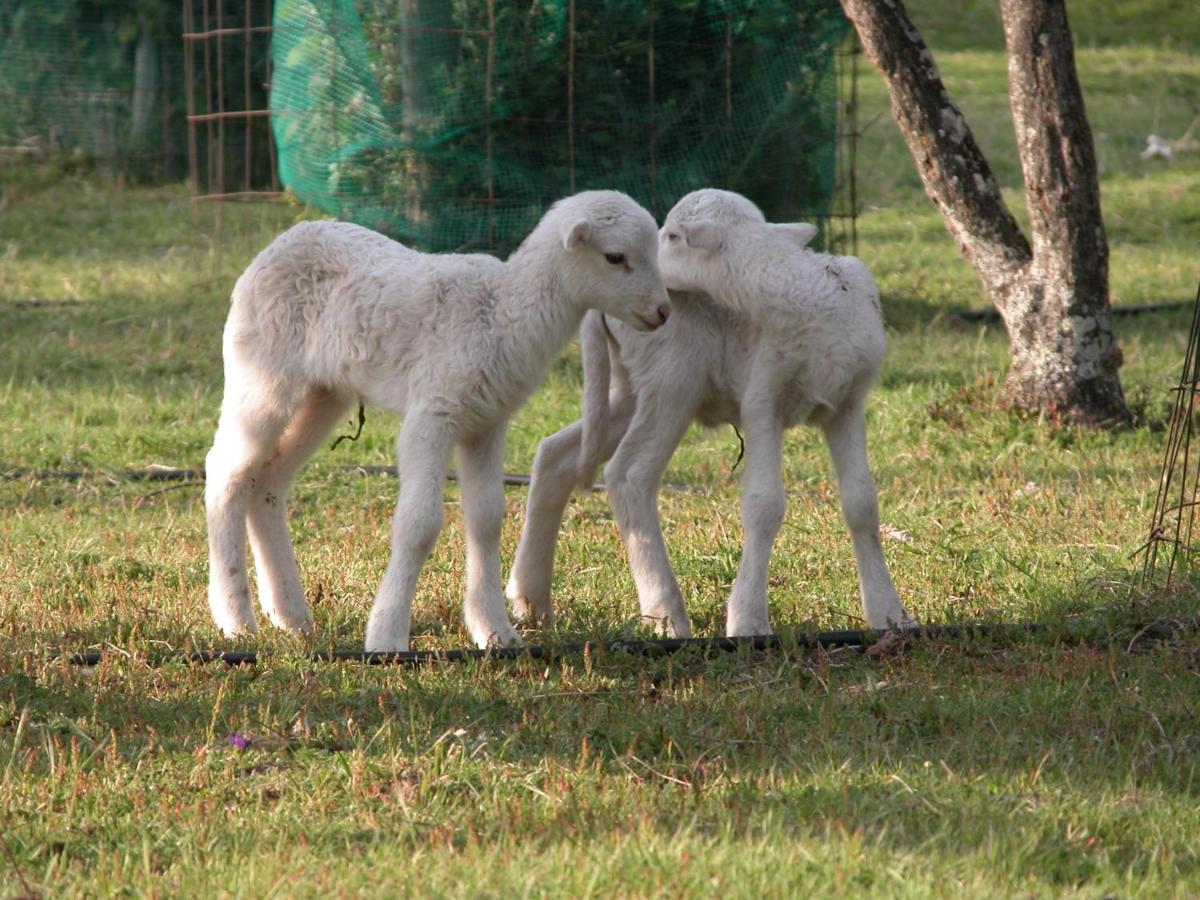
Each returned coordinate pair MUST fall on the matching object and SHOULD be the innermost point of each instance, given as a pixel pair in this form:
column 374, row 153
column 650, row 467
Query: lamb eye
column 615, row 258
column 672, row 236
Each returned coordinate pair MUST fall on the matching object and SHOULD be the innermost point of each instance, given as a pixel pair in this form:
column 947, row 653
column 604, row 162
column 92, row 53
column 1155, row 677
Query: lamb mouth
column 650, row 326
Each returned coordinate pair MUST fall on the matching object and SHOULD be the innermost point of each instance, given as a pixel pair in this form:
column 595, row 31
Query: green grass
column 1035, row 767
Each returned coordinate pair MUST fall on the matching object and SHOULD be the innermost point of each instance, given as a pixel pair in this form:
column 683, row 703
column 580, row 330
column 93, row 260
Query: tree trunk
column 1063, row 352
column 425, row 27
column 1053, row 296
column 145, row 90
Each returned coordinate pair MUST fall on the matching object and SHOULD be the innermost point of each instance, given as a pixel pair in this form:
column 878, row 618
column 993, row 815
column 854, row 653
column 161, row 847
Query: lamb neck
column 533, row 318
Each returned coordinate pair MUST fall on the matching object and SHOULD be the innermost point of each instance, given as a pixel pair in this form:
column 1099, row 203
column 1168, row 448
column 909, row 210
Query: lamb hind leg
column 245, row 438
column 846, row 436
column 422, row 450
column 280, row 593
column 764, row 503
column 555, row 473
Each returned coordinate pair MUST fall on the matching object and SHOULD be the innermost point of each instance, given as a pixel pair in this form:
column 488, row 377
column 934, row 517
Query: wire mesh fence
column 1169, row 547
column 227, row 73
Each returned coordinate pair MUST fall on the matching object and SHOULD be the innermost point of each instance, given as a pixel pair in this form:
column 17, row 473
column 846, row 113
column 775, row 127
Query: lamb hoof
column 378, row 641
column 385, row 646
column 501, row 638
column 235, row 627
column 298, row 624
column 749, row 629
column 668, row 627
column 896, row 620
column 530, row 613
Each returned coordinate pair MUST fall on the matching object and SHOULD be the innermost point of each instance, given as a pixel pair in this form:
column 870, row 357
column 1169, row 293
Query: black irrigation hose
column 156, row 474
column 166, row 473
column 862, row 638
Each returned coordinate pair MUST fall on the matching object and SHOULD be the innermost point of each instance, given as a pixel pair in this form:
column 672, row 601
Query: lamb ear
column 800, row 232
column 577, row 234
column 702, row 236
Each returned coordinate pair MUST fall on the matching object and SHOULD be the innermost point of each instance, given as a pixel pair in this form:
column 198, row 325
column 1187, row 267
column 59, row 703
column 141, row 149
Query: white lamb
column 331, row 313
column 768, row 335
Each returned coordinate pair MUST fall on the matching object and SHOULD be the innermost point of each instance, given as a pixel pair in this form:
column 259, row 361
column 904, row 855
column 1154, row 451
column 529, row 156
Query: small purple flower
column 237, row 740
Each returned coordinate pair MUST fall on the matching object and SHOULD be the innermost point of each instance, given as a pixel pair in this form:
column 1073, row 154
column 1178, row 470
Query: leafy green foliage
column 68, row 81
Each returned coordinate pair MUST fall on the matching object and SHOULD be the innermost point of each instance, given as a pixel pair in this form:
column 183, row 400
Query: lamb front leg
column 481, row 479
column 633, row 477
column 555, row 474
column 422, row 450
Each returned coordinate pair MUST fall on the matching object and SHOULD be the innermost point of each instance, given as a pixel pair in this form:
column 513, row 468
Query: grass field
column 1039, row 767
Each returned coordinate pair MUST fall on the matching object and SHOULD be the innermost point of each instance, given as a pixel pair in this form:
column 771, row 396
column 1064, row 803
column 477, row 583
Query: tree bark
column 425, row 27
column 1053, row 295
column 145, row 89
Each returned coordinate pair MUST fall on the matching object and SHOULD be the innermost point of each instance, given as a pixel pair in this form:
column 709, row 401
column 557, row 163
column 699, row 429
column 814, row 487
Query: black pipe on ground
column 169, row 473
column 861, row 638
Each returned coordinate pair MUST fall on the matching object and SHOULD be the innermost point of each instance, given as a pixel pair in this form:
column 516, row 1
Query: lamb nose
column 664, row 311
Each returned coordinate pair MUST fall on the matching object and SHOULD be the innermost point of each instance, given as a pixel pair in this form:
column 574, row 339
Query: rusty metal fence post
column 216, row 110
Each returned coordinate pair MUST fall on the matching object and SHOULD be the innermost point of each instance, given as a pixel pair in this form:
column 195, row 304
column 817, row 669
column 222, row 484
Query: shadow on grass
column 1060, row 759
column 1097, row 695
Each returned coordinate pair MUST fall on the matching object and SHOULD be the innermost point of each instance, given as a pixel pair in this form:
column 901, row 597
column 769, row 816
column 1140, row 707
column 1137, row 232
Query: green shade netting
column 454, row 125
